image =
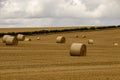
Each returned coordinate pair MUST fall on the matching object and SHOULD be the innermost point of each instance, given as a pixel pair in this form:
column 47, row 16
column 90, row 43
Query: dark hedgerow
column 56, row 31
column 2, row 34
column 11, row 33
column 118, row 26
column 101, row 27
column 84, row 28
column 92, row 28
column 111, row 26
column 25, row 33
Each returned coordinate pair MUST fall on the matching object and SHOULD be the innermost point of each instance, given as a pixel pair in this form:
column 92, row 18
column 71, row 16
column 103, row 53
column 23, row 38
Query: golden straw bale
column 38, row 38
column 83, row 36
column 28, row 39
column 78, row 49
column 11, row 40
column 90, row 41
column 4, row 38
column 115, row 44
column 60, row 39
column 76, row 36
column 20, row 37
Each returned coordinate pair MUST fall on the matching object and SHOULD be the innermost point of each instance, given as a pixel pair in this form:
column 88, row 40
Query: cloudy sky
column 41, row 13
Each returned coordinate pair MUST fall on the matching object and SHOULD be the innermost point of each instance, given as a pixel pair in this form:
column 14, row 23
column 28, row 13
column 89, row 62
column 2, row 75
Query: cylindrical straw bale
column 90, row 41
column 28, row 39
column 76, row 36
column 38, row 38
column 11, row 40
column 115, row 44
column 20, row 37
column 83, row 36
column 60, row 39
column 4, row 38
column 78, row 49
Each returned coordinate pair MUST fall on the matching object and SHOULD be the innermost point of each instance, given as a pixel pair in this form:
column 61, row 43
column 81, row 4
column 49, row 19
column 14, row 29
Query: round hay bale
column 11, row 40
column 83, row 36
column 76, row 36
column 78, row 49
column 90, row 41
column 115, row 44
column 28, row 39
column 20, row 37
column 4, row 38
column 60, row 39
column 38, row 38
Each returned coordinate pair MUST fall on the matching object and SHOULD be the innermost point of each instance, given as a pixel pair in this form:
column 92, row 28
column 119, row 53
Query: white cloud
column 59, row 12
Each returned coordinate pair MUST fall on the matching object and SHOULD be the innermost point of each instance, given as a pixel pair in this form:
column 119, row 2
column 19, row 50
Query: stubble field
column 45, row 59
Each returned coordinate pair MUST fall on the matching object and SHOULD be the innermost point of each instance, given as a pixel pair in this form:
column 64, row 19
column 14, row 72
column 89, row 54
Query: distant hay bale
column 28, row 39
column 115, row 44
column 11, row 40
column 78, row 49
column 20, row 37
column 4, row 38
column 90, row 41
column 76, row 36
column 83, row 36
column 60, row 39
column 38, row 38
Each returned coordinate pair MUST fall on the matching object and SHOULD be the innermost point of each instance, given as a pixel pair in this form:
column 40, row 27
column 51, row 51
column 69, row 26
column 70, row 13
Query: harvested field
column 45, row 59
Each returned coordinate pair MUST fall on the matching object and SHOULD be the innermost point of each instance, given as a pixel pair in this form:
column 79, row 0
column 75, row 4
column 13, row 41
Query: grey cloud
column 91, row 5
column 60, row 9
column 59, row 12
column 2, row 3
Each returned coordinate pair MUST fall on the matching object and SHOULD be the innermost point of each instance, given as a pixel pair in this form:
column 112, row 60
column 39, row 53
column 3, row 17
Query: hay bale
column 60, row 39
column 28, row 39
column 38, row 38
column 83, row 36
column 4, row 38
column 20, row 37
column 90, row 41
column 11, row 40
column 78, row 49
column 115, row 44
column 76, row 36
